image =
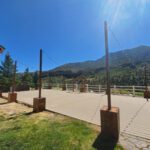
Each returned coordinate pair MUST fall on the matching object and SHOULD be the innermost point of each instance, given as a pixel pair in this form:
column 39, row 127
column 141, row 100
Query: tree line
column 119, row 76
column 24, row 80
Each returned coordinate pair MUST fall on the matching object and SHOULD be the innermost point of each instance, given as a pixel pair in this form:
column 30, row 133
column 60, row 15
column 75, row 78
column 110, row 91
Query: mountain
column 126, row 68
column 131, row 57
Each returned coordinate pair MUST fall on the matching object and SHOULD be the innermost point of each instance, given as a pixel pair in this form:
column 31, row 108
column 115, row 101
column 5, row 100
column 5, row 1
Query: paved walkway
column 134, row 111
column 130, row 142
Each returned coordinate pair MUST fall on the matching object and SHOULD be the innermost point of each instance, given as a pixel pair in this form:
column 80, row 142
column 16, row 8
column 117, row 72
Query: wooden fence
column 115, row 89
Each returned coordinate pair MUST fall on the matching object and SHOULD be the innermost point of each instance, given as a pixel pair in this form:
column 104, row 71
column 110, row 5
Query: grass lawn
column 127, row 92
column 46, row 131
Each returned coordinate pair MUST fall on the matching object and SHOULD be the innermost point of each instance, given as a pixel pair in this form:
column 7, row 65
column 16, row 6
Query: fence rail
column 115, row 89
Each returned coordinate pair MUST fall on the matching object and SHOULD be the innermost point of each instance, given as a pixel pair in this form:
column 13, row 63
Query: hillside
column 133, row 56
column 126, row 68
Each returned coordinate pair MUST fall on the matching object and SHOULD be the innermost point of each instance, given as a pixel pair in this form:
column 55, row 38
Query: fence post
column 114, row 87
column 87, row 88
column 76, row 87
column 133, row 90
column 11, row 89
column 99, row 88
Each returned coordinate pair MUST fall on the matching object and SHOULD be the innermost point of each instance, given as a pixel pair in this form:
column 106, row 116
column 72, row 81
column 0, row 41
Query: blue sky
column 70, row 30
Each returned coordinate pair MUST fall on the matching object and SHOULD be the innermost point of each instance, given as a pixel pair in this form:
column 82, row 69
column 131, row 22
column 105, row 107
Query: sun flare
column 118, row 10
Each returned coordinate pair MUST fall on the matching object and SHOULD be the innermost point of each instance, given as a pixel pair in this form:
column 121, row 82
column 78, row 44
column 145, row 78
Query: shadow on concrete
column 104, row 143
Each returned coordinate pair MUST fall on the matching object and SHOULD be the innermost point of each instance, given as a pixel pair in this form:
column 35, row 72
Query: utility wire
column 120, row 45
column 116, row 39
column 50, row 59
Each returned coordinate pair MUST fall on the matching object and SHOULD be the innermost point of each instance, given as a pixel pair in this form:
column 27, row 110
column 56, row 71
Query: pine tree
column 27, row 78
column 35, row 79
column 6, row 73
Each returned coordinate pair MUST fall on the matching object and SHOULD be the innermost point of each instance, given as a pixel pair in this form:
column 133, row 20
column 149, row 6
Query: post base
column 39, row 104
column 83, row 90
column 50, row 87
column 12, row 97
column 63, row 88
column 147, row 94
column 110, row 122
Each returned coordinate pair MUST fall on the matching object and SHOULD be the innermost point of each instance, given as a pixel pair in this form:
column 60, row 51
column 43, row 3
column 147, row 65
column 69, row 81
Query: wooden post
column 39, row 103
column 107, row 66
column 87, row 88
column 99, row 88
column 110, row 116
column 133, row 87
column 114, row 87
column 40, row 74
column 76, row 87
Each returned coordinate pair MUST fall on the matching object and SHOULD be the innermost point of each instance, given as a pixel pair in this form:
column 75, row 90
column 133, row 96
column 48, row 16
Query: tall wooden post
column 110, row 116
column 107, row 66
column 40, row 74
column 39, row 103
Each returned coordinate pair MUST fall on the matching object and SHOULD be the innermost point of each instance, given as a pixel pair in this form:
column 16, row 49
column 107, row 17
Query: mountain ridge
column 126, row 56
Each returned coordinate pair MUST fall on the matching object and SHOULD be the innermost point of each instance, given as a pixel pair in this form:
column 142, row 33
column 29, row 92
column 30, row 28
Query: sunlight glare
column 117, row 10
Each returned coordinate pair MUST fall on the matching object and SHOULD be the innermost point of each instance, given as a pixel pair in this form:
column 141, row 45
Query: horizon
column 70, row 31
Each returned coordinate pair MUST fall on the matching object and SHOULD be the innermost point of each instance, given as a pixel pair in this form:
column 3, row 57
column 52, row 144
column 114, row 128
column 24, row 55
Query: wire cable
column 49, row 58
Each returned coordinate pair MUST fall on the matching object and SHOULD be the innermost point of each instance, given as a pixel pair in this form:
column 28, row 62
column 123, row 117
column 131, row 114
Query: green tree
column 35, row 79
column 27, row 78
column 6, row 73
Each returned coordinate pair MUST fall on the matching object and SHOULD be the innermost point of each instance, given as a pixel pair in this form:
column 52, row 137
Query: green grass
column 127, row 92
column 36, row 133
